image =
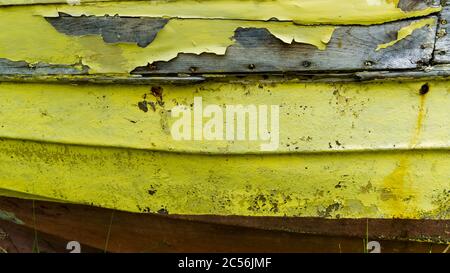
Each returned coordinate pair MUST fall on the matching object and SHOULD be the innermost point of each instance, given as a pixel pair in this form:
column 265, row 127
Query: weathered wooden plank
column 117, row 231
column 256, row 50
column 103, row 79
column 113, row 29
column 430, row 73
column 40, row 42
column 309, row 12
column 398, row 229
column 411, row 185
column 405, row 5
column 351, row 48
column 8, row 67
column 16, row 238
column 409, row 5
column 35, row 2
column 142, row 119
column 442, row 51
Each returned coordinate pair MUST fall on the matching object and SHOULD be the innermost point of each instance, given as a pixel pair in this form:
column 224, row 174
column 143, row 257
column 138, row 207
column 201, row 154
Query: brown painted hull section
column 52, row 225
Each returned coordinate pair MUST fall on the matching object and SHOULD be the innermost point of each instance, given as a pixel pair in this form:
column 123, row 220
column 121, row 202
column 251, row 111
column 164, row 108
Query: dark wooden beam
column 118, row 231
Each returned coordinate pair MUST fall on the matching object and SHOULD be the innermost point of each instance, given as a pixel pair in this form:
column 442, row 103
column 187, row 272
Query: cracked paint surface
column 407, row 31
column 352, row 185
column 376, row 150
column 410, row 180
column 187, row 31
column 356, row 116
column 178, row 36
column 364, row 12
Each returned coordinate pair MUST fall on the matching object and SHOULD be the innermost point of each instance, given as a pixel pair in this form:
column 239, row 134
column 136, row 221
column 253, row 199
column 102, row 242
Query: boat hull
column 99, row 230
column 372, row 150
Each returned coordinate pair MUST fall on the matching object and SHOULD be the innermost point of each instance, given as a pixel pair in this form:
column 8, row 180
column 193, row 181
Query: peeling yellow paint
column 314, row 35
column 34, row 2
column 355, row 116
column 35, row 40
column 360, row 179
column 407, row 31
column 323, row 185
column 342, row 12
column 368, row 127
column 370, row 183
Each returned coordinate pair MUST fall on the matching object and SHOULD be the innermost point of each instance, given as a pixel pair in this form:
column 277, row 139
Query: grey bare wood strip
column 113, row 29
column 8, row 67
column 442, row 50
column 351, row 48
column 256, row 50
column 431, row 73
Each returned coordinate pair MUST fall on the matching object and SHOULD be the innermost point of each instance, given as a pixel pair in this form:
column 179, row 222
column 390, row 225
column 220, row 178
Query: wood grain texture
column 442, row 50
column 8, row 67
column 113, row 29
column 351, row 48
column 256, row 50
column 22, row 239
column 104, row 79
column 430, row 73
column 408, row 5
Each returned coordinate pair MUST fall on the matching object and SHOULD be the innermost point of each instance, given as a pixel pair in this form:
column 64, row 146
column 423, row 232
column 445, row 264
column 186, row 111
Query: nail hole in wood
column 306, row 63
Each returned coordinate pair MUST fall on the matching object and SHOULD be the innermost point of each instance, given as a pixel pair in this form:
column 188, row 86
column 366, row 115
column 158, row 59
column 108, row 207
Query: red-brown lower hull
column 29, row 226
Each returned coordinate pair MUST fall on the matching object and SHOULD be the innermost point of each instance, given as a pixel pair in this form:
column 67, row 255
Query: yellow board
column 35, row 40
column 352, row 185
column 308, row 12
column 392, row 160
column 407, row 31
column 34, row 2
column 372, row 150
column 313, row 117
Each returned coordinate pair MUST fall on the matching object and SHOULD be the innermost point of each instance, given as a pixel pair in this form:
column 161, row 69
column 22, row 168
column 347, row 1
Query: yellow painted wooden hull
column 372, row 150
column 344, row 150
